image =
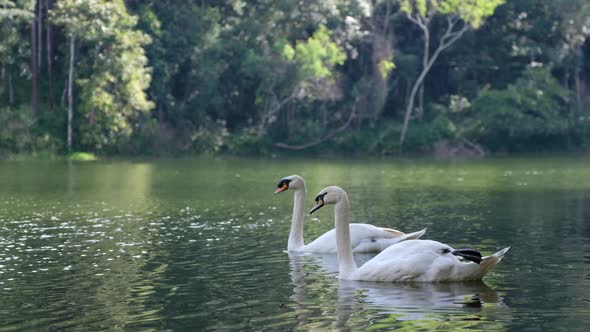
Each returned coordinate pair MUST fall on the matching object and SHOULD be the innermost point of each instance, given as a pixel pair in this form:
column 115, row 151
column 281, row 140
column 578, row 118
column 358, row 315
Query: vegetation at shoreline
column 375, row 77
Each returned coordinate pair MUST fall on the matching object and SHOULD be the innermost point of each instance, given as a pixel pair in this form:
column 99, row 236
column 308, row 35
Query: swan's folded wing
column 364, row 238
column 405, row 264
column 369, row 238
column 368, row 231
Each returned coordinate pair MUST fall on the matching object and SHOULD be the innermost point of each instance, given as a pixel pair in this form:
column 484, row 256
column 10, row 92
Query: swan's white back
column 423, row 261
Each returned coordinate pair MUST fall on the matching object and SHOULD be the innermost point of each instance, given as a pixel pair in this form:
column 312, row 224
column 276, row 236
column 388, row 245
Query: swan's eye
column 320, row 197
column 283, row 183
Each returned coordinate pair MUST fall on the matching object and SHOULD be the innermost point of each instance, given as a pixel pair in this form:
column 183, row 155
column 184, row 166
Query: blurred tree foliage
column 255, row 77
column 532, row 113
column 112, row 73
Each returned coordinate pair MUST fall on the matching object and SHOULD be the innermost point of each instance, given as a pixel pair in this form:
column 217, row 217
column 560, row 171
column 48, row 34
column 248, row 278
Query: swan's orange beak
column 282, row 188
column 318, row 204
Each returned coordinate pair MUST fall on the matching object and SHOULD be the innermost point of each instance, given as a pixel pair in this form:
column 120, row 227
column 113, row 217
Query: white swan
column 407, row 261
column 365, row 237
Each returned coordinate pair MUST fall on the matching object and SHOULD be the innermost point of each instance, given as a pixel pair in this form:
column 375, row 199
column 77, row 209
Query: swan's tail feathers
column 488, row 262
column 468, row 254
column 395, row 232
column 497, row 256
column 414, row 235
column 401, row 236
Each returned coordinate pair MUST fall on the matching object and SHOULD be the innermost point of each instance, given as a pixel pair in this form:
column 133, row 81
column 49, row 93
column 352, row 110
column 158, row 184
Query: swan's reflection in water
column 356, row 304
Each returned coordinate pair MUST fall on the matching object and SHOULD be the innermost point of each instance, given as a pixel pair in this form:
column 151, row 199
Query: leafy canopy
column 472, row 12
column 9, row 10
column 13, row 50
column 315, row 56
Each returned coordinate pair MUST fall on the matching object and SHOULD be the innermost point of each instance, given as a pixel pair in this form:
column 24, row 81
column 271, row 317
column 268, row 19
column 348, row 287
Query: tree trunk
column 39, row 33
column 448, row 39
column 3, row 78
column 578, row 92
column 70, row 91
column 10, row 89
column 33, row 68
column 64, row 94
column 377, row 92
column 49, row 60
column 425, row 59
column 420, row 108
column 324, row 117
column 382, row 50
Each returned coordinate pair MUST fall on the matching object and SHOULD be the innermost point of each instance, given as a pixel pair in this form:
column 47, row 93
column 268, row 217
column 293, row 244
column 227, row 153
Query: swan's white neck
column 346, row 263
column 296, row 234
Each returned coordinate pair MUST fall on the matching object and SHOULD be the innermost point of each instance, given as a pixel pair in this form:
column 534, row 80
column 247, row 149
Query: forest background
column 388, row 77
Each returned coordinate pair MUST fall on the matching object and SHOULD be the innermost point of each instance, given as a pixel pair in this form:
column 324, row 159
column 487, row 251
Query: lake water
column 199, row 245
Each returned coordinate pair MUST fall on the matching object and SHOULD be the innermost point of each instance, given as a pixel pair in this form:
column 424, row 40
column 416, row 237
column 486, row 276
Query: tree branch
column 411, row 18
column 387, row 17
column 323, row 139
column 474, row 146
column 453, row 38
column 446, row 40
column 274, row 108
column 417, row 20
column 423, row 22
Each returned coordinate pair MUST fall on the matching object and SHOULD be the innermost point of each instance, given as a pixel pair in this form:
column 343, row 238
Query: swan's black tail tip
column 468, row 254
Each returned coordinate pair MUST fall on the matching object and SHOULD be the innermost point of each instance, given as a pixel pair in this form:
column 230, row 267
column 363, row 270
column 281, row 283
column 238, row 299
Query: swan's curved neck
column 296, row 235
column 346, row 263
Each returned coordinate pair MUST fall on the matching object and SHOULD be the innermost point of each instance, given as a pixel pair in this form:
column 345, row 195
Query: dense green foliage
column 531, row 113
column 185, row 77
column 113, row 76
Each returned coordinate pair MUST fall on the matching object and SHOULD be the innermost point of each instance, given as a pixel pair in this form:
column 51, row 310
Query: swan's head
column 329, row 195
column 290, row 182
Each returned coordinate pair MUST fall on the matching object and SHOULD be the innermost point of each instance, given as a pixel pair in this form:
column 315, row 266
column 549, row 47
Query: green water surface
column 197, row 245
